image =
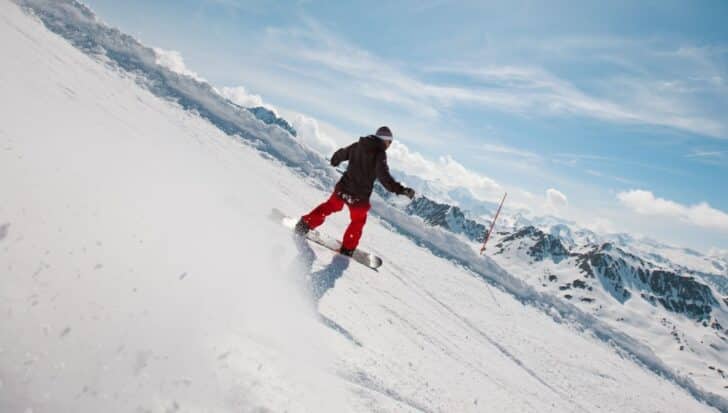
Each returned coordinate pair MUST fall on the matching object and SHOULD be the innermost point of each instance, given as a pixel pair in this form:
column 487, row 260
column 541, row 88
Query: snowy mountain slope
column 446, row 216
column 555, row 239
column 137, row 278
column 679, row 313
column 679, row 316
column 663, row 254
column 79, row 25
column 649, row 250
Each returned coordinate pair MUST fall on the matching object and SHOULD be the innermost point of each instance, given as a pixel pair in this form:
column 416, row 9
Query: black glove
column 409, row 193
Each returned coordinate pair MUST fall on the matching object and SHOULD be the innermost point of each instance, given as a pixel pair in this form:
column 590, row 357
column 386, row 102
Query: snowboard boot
column 347, row 252
column 302, row 228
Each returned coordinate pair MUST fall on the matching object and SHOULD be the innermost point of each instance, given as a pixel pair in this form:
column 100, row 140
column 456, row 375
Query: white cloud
column 706, row 216
column 642, row 93
column 506, row 87
column 173, row 61
column 701, row 215
column 708, row 157
column 509, row 151
column 446, row 171
column 645, row 203
column 600, row 225
column 325, row 57
column 718, row 253
column 536, row 91
column 619, row 179
column 311, row 135
column 697, row 153
column 240, row 96
column 556, row 200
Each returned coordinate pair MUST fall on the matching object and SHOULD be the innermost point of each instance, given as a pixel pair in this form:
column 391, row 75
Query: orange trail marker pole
column 492, row 224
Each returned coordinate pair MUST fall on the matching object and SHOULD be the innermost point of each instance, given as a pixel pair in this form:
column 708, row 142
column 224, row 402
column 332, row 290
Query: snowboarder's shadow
column 325, row 278
column 318, row 282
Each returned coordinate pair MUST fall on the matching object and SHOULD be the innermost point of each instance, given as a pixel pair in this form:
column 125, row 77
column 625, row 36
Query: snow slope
column 138, row 272
column 679, row 317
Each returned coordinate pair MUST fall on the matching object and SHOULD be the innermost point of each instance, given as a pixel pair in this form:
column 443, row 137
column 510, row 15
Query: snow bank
column 132, row 273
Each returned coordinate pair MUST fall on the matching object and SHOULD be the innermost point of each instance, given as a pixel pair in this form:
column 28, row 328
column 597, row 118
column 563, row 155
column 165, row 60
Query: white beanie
column 384, row 134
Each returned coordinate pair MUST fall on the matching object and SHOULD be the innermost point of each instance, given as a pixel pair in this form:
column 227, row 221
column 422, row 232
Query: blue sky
column 619, row 108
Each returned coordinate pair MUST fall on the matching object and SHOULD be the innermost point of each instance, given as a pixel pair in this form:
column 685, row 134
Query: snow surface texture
column 141, row 273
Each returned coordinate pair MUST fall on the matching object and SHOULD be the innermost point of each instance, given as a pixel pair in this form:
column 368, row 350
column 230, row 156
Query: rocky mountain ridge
column 608, row 263
column 622, row 274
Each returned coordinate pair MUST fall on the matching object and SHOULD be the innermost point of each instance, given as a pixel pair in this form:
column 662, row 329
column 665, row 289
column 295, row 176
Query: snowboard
column 362, row 257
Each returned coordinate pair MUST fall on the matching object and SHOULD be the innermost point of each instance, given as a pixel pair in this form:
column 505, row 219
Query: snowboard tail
column 362, row 257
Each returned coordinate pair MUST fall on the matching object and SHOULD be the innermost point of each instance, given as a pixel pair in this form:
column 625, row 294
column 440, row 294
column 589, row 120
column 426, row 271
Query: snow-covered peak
column 563, row 232
column 269, row 117
column 471, row 205
column 621, row 239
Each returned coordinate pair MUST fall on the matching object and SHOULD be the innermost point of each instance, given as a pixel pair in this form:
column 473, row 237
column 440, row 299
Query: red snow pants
column 357, row 211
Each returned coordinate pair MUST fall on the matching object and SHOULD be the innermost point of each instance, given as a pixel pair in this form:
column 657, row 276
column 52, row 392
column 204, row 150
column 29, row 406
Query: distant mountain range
column 626, row 267
column 648, row 289
column 621, row 274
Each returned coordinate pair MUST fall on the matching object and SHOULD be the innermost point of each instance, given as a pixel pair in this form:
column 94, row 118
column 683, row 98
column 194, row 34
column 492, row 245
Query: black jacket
column 367, row 161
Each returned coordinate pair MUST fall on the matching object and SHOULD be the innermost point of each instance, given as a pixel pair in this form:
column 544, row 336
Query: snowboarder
column 367, row 162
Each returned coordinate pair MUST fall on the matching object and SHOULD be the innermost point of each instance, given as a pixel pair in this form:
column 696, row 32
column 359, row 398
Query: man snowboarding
column 367, row 162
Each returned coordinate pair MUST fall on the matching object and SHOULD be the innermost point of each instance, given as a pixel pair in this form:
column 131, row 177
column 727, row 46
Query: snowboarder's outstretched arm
column 341, row 155
column 385, row 177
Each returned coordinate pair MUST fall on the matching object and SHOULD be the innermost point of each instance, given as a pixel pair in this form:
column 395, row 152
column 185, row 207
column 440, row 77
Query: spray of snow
column 172, row 60
column 146, row 285
column 240, row 96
